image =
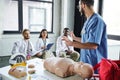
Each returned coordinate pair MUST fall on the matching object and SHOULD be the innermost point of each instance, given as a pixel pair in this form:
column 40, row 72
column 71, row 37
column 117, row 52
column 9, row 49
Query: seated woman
column 64, row 67
column 42, row 43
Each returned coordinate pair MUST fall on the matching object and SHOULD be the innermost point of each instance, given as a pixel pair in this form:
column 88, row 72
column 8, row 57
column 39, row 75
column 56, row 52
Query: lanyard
column 44, row 42
column 29, row 49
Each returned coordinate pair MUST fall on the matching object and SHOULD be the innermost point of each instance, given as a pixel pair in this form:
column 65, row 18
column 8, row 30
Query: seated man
column 62, row 49
column 64, row 67
column 24, row 45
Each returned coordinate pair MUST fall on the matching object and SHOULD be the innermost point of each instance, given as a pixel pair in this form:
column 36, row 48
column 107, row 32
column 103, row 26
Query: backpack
column 108, row 69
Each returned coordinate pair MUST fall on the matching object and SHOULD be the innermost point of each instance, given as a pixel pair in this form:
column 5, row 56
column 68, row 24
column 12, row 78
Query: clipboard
column 49, row 46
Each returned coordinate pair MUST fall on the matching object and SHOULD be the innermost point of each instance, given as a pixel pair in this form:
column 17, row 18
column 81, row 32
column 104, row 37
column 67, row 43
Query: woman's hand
column 43, row 47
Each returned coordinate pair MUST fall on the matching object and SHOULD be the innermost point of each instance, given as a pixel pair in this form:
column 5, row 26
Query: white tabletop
column 40, row 74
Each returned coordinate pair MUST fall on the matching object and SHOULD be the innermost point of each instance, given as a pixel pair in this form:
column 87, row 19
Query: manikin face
column 26, row 35
column 77, row 67
column 83, row 69
column 44, row 34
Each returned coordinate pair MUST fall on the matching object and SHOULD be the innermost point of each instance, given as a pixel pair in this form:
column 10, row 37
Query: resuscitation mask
column 18, row 60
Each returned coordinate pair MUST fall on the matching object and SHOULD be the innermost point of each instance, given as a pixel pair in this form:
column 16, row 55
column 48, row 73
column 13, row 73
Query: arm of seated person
column 15, row 48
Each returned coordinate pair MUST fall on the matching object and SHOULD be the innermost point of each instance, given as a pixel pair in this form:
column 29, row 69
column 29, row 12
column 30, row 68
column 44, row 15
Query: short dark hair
column 43, row 31
column 88, row 2
column 66, row 29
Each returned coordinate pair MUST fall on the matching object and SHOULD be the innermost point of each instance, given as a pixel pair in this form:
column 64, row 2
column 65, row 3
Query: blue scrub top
column 94, row 31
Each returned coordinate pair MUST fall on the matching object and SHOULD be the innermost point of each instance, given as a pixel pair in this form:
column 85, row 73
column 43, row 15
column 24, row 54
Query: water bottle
column 0, row 77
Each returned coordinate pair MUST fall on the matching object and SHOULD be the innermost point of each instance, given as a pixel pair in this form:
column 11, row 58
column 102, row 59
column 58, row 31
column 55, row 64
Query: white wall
column 1, row 17
column 67, row 14
column 114, row 52
column 7, row 40
column 113, row 49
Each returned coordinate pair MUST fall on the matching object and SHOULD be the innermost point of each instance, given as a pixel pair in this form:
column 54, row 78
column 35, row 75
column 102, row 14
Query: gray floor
column 4, row 61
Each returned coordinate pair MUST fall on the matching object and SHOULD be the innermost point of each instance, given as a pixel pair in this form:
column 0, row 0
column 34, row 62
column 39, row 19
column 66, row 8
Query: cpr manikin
column 17, row 73
column 65, row 67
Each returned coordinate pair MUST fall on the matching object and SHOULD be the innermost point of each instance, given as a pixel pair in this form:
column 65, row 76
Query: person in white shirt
column 62, row 49
column 41, row 44
column 25, row 46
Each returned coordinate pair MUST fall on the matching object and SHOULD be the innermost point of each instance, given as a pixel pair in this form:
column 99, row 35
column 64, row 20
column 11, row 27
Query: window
column 37, row 15
column 31, row 14
column 96, row 6
column 111, row 15
column 10, row 18
column 36, row 22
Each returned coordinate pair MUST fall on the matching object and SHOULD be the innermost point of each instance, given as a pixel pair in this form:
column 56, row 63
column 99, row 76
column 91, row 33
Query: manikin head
column 85, row 70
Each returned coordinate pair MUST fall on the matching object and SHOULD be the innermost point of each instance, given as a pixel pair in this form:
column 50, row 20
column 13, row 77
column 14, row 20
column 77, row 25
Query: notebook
column 49, row 46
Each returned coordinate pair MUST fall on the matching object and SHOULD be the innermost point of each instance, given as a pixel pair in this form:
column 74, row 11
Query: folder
column 49, row 46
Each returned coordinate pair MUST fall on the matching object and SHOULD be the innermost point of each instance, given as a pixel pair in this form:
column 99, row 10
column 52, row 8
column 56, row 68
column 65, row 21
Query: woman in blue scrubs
column 93, row 41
